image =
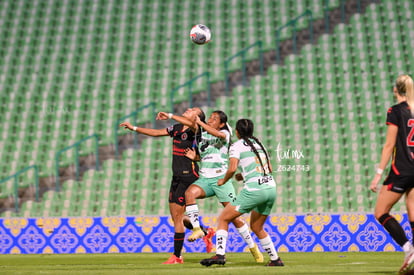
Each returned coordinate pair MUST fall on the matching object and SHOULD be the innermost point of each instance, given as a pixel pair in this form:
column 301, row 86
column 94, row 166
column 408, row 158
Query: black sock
column 178, row 243
column 394, row 228
column 188, row 224
column 412, row 231
column 204, row 229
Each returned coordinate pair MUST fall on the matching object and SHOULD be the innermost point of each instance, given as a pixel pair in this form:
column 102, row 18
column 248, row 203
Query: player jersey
column 403, row 155
column 252, row 171
column 181, row 165
column 213, row 154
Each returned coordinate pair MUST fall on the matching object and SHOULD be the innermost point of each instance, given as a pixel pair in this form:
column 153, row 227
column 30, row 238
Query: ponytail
column 405, row 87
column 264, row 150
column 245, row 128
column 410, row 94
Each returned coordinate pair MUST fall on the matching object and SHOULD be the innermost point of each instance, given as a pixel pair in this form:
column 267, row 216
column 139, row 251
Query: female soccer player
column 257, row 196
column 185, row 171
column 213, row 149
column 399, row 145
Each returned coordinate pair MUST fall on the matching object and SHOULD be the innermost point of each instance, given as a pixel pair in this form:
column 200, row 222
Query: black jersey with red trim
column 403, row 155
column 182, row 140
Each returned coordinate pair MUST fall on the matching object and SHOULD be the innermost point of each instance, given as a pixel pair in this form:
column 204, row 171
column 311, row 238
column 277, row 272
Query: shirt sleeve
column 233, row 152
column 392, row 118
column 170, row 130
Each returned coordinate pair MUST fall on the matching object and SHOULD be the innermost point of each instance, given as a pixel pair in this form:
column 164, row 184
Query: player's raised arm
column 210, row 129
column 187, row 119
column 145, row 131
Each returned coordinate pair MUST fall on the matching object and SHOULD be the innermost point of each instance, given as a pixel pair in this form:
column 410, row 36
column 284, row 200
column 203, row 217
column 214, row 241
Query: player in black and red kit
column 399, row 145
column 185, row 172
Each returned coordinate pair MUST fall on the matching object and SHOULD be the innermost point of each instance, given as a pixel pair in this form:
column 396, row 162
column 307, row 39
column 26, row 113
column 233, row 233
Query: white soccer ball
column 200, row 34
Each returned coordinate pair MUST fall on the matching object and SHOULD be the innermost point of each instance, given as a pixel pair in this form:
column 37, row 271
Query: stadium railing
column 16, row 184
column 242, row 54
column 76, row 146
column 190, row 84
column 292, row 23
column 134, row 115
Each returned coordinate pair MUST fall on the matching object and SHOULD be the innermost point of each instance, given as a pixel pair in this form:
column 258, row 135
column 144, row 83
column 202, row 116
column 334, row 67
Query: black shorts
column 178, row 187
column 399, row 183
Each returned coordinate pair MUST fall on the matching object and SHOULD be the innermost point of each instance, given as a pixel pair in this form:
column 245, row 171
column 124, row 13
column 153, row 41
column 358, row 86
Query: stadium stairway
column 125, row 141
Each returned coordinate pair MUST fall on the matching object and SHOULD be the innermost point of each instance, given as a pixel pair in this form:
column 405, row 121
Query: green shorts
column 224, row 193
column 260, row 201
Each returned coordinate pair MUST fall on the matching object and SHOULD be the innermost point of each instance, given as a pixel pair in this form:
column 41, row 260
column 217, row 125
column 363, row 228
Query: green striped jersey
column 213, row 154
column 250, row 166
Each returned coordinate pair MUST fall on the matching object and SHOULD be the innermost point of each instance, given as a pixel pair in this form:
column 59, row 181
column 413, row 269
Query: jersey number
column 410, row 139
column 259, row 167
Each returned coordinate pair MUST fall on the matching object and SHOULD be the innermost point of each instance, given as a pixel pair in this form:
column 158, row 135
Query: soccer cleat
column 174, row 260
column 277, row 262
column 408, row 263
column 258, row 256
column 218, row 259
column 208, row 239
column 197, row 234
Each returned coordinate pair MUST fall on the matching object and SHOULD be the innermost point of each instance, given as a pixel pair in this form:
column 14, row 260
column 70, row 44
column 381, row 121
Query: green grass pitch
column 237, row 263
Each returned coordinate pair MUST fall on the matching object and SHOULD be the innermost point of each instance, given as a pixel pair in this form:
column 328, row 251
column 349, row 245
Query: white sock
column 269, row 247
column 221, row 240
column 245, row 233
column 408, row 248
column 192, row 212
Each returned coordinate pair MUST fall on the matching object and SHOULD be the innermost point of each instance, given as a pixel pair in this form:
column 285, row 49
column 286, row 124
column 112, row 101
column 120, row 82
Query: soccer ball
column 200, row 34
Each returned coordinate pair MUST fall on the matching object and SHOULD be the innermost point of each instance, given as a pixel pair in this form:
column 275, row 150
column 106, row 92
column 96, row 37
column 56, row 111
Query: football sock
column 178, row 243
column 269, row 247
column 407, row 248
column 189, row 226
column 412, row 232
column 245, row 233
column 394, row 228
column 193, row 213
column 221, row 240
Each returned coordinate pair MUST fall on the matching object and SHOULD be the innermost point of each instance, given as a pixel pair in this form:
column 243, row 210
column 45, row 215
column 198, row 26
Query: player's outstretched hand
column 162, row 116
column 126, row 125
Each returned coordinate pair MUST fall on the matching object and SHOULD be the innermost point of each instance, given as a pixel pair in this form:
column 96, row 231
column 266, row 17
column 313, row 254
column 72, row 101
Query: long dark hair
column 245, row 128
column 202, row 115
column 223, row 119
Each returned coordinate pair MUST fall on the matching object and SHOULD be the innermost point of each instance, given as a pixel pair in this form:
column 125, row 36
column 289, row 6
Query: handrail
column 293, row 22
column 189, row 83
column 242, row 53
column 134, row 114
column 76, row 146
column 342, row 7
column 16, row 184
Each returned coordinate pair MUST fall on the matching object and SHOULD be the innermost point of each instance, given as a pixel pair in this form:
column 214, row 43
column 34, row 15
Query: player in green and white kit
column 257, row 196
column 213, row 155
